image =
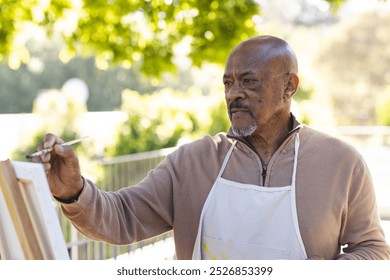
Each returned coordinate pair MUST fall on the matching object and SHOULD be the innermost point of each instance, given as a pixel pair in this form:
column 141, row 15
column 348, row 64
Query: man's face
column 254, row 90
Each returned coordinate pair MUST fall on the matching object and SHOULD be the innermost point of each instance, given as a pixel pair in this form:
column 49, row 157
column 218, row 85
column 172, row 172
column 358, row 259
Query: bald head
column 263, row 50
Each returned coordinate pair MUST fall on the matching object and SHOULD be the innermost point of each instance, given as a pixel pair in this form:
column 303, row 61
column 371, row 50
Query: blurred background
column 141, row 76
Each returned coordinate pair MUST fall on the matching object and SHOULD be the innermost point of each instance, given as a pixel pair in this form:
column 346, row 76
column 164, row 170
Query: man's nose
column 235, row 91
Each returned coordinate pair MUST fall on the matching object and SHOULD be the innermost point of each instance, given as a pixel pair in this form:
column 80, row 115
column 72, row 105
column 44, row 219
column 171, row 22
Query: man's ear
column 291, row 85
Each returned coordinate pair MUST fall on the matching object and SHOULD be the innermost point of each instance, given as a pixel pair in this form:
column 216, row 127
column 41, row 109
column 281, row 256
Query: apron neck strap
column 294, row 174
column 227, row 157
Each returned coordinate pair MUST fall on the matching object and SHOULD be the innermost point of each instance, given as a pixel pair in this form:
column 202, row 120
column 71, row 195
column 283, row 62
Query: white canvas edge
column 34, row 173
column 10, row 248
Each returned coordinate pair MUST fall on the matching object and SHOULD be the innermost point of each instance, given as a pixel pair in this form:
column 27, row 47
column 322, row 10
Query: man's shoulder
column 203, row 154
column 205, row 149
column 207, row 142
column 327, row 142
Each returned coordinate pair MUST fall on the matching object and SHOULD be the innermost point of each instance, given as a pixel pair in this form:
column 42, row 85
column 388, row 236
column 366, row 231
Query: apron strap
column 293, row 197
column 294, row 174
column 227, row 157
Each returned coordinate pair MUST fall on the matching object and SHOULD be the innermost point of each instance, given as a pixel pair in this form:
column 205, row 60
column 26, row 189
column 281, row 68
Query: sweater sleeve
column 362, row 236
column 133, row 213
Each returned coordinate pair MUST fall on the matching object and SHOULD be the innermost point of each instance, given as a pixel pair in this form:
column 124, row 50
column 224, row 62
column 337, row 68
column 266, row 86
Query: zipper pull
column 264, row 174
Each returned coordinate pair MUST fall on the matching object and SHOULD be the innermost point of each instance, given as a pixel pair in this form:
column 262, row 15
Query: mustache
column 237, row 105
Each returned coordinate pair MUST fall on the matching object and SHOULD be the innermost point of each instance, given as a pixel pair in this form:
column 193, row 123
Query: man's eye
column 227, row 83
column 248, row 81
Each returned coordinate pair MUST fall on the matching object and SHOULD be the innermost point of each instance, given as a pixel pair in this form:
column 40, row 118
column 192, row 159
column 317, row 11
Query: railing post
column 73, row 239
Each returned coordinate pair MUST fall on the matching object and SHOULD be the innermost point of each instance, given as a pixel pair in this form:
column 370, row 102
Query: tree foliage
column 130, row 32
column 335, row 4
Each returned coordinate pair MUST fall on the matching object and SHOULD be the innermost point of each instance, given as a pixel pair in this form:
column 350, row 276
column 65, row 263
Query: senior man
column 269, row 188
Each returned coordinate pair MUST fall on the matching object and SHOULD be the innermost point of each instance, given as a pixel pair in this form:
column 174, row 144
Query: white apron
column 243, row 221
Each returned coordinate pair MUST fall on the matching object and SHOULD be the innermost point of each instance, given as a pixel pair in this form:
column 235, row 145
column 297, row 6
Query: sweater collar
column 294, row 124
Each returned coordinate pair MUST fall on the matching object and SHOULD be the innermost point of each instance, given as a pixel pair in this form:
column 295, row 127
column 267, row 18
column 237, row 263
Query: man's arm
column 362, row 232
column 122, row 217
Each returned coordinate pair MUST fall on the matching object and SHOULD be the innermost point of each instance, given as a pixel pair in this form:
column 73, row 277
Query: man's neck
column 267, row 140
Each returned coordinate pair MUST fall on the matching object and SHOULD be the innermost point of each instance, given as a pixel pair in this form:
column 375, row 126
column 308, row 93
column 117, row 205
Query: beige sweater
column 335, row 197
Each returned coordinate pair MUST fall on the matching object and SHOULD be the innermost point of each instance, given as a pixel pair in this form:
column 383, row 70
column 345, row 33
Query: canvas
column 29, row 225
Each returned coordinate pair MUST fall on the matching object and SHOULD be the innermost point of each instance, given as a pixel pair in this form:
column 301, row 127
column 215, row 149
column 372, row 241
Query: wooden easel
column 29, row 225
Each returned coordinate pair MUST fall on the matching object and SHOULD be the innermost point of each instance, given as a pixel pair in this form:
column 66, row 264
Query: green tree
column 131, row 32
column 141, row 33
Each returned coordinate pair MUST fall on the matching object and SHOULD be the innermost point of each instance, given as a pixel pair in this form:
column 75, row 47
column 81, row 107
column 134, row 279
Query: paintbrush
column 48, row 150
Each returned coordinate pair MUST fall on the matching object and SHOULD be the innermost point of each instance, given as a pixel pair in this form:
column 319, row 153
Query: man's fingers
column 50, row 140
column 45, row 157
column 64, row 151
column 46, row 167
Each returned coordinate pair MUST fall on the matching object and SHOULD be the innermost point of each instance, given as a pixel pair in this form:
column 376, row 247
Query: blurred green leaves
column 335, row 4
column 167, row 118
column 17, row 19
column 127, row 32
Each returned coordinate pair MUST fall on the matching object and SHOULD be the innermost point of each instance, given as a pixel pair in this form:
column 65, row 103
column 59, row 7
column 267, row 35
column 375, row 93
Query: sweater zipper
column 264, row 173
